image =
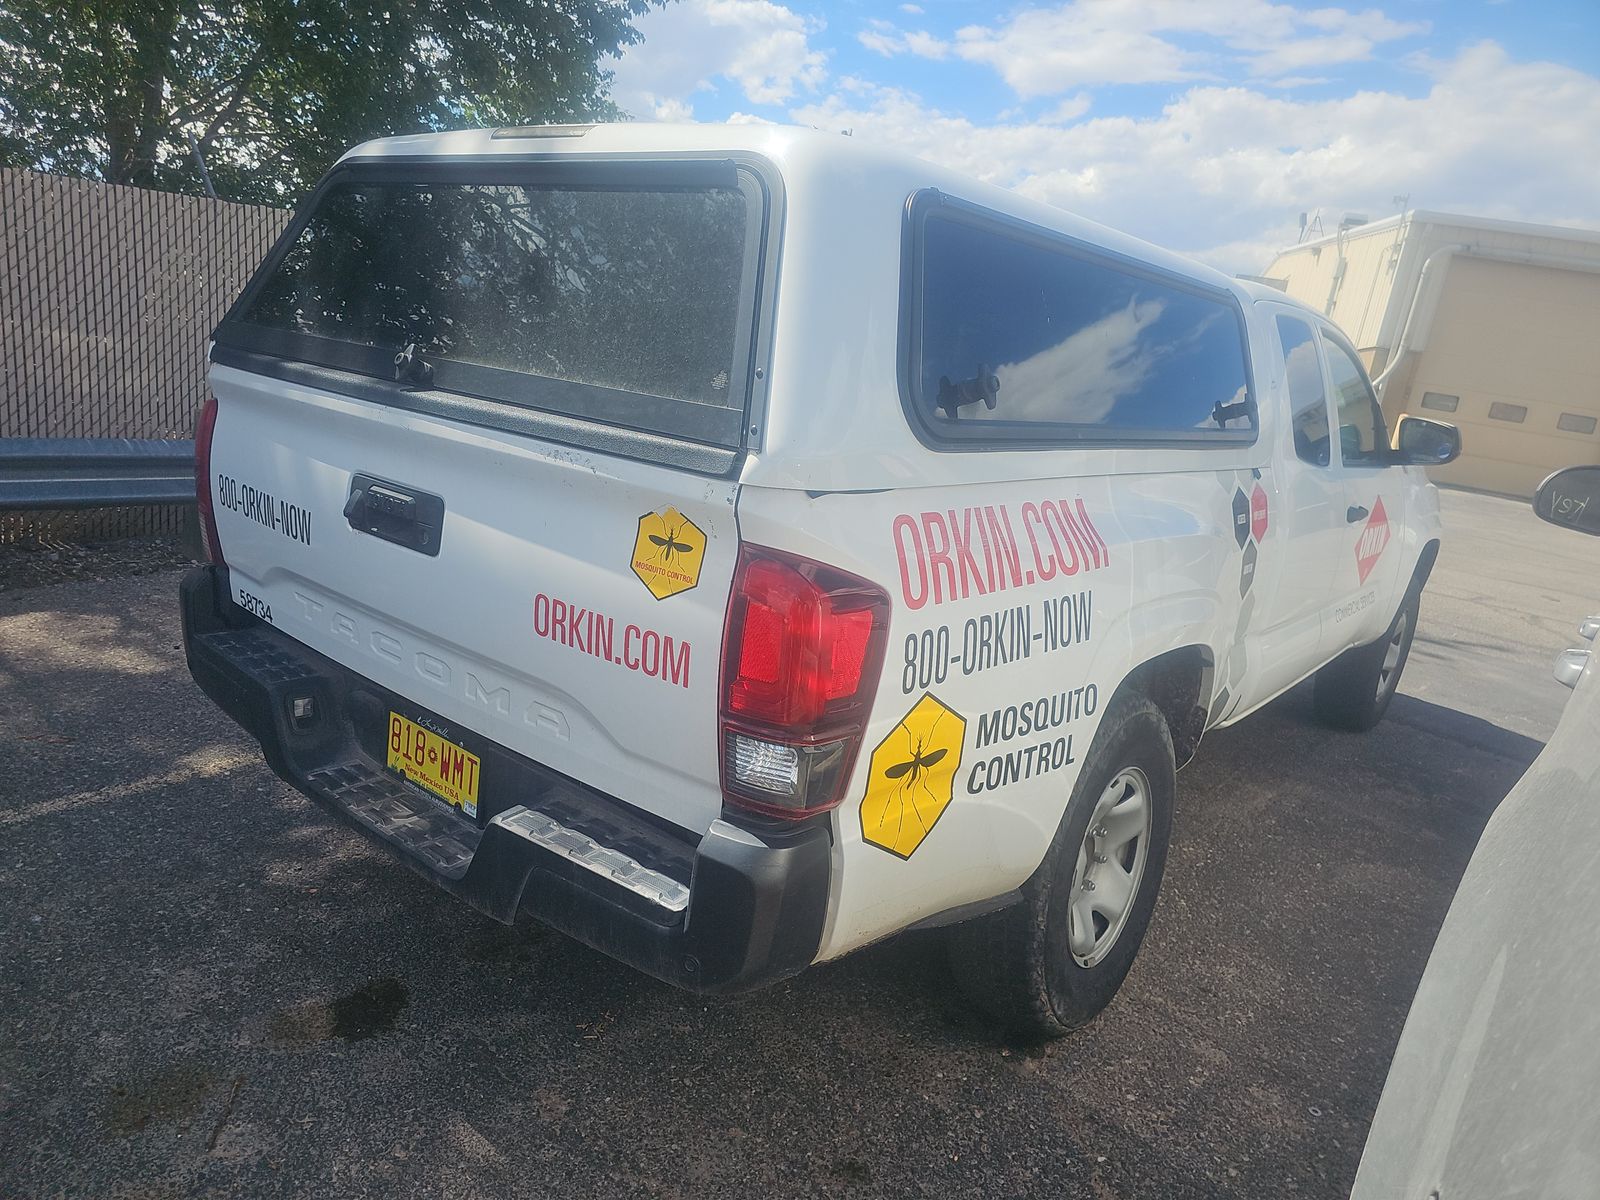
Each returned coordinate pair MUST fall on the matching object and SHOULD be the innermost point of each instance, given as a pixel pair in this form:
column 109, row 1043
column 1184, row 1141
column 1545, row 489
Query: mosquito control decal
column 668, row 553
column 1373, row 539
column 1034, row 724
column 912, row 777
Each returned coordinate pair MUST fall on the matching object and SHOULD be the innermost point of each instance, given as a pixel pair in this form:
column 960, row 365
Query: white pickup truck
column 734, row 545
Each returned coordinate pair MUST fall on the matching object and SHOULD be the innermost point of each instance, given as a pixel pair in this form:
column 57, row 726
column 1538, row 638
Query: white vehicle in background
column 734, row 545
column 1492, row 1088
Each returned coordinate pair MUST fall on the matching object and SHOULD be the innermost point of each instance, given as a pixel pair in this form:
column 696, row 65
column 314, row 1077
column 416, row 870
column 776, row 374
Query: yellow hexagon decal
column 668, row 553
column 912, row 777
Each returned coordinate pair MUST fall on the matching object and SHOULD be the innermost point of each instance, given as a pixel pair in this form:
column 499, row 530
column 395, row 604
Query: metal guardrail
column 48, row 473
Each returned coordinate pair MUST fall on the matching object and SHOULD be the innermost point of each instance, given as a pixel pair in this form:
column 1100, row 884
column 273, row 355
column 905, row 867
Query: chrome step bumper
column 741, row 906
column 659, row 889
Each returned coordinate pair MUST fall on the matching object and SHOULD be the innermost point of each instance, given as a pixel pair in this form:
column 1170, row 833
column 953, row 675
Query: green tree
column 276, row 90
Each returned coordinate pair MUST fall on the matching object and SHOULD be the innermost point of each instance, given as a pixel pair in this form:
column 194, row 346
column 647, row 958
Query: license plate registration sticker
column 434, row 763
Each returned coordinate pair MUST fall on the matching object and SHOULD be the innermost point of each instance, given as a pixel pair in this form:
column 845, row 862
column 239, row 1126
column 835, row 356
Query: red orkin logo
column 1374, row 537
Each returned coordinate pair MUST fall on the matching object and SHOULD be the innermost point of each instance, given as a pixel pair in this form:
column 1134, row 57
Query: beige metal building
column 1494, row 325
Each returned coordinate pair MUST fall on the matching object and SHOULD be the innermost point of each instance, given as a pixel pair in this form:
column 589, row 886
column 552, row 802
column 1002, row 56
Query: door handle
column 396, row 513
column 1354, row 513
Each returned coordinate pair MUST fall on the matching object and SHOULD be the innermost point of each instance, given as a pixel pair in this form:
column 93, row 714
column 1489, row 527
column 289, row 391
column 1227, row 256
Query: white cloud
column 1068, row 110
column 925, row 45
column 1042, row 52
column 882, row 38
column 760, row 48
column 672, row 110
column 1278, row 47
column 1284, row 82
column 1047, row 51
column 1223, row 171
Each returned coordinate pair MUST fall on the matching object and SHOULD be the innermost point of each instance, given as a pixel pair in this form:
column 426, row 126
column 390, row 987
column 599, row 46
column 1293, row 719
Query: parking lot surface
column 208, row 988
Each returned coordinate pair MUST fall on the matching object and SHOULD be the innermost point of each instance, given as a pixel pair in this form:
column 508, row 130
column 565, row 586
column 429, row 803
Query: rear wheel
column 1051, row 962
column 1354, row 690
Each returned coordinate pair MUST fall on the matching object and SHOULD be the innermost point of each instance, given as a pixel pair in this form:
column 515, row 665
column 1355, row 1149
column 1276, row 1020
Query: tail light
column 802, row 653
column 203, row 430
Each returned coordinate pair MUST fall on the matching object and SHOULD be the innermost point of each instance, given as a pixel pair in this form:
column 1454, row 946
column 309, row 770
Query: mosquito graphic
column 918, row 763
column 670, row 544
column 913, row 772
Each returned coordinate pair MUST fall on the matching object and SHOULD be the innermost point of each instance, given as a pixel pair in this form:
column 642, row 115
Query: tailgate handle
column 395, row 513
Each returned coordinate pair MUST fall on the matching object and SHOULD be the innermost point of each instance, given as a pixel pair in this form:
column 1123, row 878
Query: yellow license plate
column 434, row 763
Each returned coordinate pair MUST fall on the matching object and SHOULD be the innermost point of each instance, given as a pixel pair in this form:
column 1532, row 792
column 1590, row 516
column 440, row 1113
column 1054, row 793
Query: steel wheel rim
column 1389, row 673
column 1110, row 867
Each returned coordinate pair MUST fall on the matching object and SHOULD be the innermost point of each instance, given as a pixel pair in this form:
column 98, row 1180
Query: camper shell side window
column 1012, row 334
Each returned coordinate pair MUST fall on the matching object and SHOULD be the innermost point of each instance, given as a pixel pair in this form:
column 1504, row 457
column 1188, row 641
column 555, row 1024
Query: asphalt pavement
column 208, row 988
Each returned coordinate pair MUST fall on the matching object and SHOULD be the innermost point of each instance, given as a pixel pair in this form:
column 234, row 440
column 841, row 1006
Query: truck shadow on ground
column 1465, row 729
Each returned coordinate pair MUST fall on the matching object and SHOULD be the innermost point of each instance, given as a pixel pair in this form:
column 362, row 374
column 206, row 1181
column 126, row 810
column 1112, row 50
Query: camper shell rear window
column 1016, row 335
column 622, row 293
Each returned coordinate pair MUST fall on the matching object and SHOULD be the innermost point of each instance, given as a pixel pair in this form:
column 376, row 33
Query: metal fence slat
column 108, row 295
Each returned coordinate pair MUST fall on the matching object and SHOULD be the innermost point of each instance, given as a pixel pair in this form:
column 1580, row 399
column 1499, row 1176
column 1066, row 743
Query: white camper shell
column 732, row 544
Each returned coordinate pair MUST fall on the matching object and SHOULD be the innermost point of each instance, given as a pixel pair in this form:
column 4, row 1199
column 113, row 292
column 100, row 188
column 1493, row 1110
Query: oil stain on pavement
column 369, row 1010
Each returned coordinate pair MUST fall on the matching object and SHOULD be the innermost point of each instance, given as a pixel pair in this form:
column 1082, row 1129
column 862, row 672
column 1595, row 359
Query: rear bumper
column 738, row 908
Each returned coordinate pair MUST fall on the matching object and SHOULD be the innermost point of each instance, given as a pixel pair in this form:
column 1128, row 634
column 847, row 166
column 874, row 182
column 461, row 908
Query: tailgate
column 573, row 610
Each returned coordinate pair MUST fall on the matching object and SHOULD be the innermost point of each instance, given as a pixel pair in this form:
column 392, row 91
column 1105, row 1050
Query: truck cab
column 732, row 545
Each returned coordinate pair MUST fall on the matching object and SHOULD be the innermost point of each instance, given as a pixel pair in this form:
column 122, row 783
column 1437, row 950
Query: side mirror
column 1570, row 498
column 1420, row 442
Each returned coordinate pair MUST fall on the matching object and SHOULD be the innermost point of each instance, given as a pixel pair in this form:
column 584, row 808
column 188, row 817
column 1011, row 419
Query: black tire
column 1355, row 689
column 1016, row 964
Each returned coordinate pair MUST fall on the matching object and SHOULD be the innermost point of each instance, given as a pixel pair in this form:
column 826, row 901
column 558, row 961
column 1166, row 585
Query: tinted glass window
column 1017, row 334
column 630, row 289
column 1363, row 436
column 1308, row 398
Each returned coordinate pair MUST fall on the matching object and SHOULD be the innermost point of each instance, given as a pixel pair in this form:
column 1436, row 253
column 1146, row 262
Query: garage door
column 1513, row 359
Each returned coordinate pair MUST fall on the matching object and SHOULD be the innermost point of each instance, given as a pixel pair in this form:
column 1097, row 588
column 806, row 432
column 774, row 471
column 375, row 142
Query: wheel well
column 1179, row 684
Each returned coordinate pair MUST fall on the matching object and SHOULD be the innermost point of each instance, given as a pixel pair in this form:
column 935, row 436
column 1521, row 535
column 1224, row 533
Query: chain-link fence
column 107, row 297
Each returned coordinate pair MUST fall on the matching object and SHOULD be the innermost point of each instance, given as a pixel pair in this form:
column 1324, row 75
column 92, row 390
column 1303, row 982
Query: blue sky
column 1205, row 125
column 1565, row 33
